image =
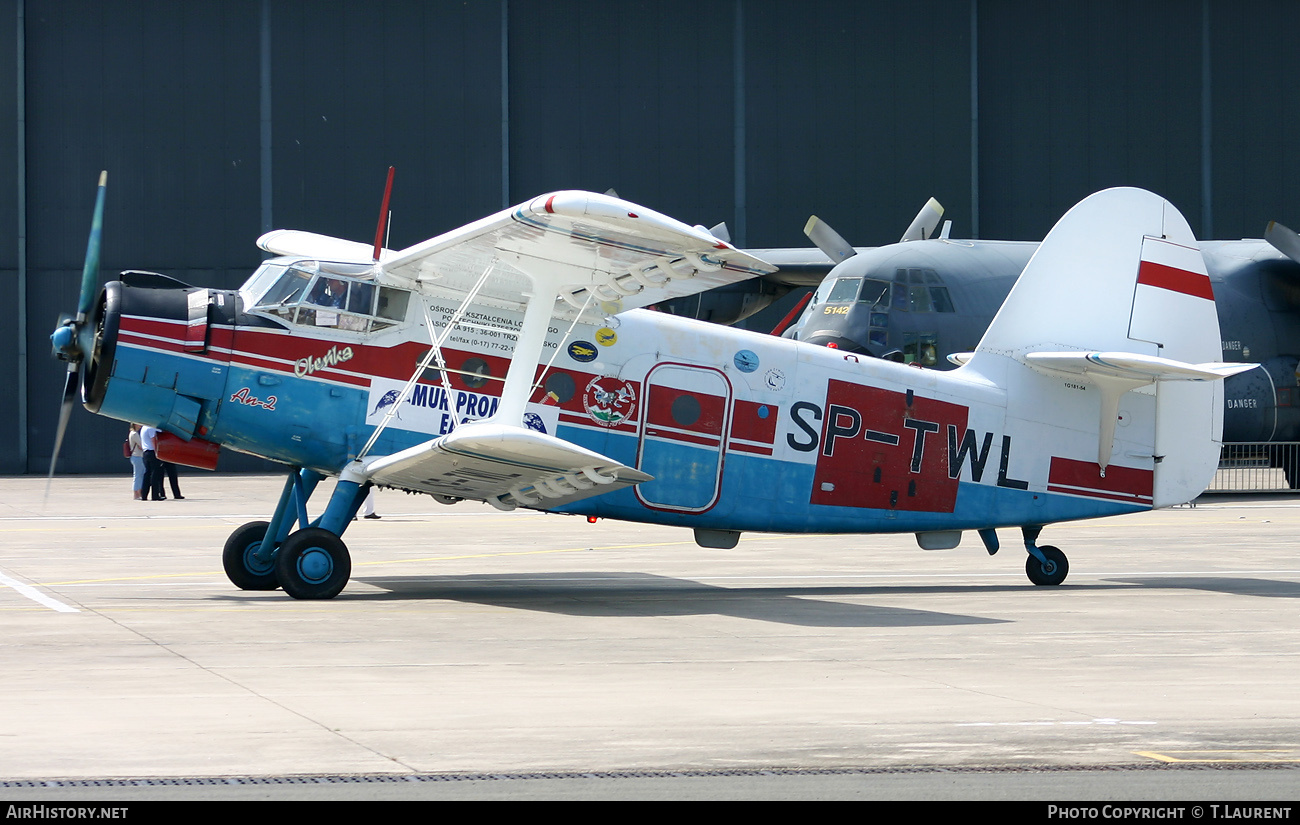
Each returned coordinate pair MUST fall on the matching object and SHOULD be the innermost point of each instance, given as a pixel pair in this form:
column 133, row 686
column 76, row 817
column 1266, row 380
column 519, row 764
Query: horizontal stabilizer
column 506, row 466
column 1131, row 365
column 1115, row 373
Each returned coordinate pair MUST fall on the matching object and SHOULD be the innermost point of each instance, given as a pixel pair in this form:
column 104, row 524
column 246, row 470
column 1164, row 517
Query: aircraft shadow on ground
column 642, row 594
column 1236, row 586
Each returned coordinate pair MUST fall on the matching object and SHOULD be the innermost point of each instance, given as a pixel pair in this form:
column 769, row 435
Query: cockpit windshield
column 874, row 292
column 860, row 290
column 317, row 294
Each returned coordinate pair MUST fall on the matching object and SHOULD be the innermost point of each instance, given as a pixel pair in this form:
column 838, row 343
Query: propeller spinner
column 73, row 339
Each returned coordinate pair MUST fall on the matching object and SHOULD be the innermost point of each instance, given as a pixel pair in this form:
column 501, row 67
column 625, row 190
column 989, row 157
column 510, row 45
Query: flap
column 503, row 465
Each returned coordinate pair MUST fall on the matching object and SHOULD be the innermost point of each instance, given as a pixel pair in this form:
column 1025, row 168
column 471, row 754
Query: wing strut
column 528, row 351
column 435, row 352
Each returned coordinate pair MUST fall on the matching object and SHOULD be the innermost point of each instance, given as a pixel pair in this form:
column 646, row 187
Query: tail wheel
column 243, row 568
column 1052, row 571
column 313, row 564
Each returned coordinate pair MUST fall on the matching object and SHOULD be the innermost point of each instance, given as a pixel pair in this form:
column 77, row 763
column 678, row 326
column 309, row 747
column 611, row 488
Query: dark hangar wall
column 219, row 119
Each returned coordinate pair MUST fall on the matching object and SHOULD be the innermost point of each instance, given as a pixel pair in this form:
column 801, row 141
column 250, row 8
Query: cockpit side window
column 392, row 303
column 336, row 296
column 287, row 289
column 874, row 292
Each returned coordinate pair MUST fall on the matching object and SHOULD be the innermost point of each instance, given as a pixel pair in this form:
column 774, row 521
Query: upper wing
column 607, row 254
column 296, row 243
column 503, row 465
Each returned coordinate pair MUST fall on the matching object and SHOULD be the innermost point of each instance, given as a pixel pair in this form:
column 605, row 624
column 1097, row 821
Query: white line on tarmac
column 395, row 517
column 36, row 595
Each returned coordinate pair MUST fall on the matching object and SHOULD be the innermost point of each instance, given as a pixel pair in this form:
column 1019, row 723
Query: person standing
column 170, row 469
column 137, row 462
column 153, row 476
column 368, row 506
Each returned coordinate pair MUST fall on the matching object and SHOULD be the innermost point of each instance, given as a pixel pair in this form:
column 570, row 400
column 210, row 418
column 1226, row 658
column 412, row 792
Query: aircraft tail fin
column 1111, row 335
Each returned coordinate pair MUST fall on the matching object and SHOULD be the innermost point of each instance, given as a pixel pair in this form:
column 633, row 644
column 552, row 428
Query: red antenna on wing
column 383, row 215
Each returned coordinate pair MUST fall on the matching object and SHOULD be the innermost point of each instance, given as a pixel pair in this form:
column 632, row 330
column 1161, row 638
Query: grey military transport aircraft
column 931, row 296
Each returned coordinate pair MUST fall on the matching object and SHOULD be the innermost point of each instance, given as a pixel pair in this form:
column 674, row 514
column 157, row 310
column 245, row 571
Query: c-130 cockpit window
column 859, row 290
column 913, row 290
column 920, row 290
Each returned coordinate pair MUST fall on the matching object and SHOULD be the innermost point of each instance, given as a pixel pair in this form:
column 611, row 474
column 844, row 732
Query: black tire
column 1051, row 573
column 313, row 564
column 244, row 571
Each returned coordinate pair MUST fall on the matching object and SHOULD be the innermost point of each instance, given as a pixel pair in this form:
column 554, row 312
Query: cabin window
column 921, row 348
column 561, row 385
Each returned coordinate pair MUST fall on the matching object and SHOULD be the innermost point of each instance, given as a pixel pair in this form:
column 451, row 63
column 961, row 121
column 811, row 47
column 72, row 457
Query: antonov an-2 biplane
column 507, row 362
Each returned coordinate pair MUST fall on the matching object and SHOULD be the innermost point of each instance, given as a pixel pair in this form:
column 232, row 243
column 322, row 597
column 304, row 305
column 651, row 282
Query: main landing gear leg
column 313, row 563
column 1046, row 565
column 249, row 556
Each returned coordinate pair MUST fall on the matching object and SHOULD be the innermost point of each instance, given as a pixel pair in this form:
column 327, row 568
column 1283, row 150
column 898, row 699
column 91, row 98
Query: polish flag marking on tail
column 1174, row 267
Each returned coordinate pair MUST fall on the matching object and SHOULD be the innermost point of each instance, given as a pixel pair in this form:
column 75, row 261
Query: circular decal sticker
column 583, row 351
column 775, row 379
column 533, row 421
column 609, row 401
column 746, row 361
column 606, row 337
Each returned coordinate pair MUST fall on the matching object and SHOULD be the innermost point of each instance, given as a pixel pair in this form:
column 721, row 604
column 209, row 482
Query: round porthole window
column 561, row 385
column 478, row 367
column 685, row 410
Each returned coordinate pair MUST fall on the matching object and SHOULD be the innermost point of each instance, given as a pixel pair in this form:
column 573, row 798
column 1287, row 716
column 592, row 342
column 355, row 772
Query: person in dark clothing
column 153, row 477
column 170, row 469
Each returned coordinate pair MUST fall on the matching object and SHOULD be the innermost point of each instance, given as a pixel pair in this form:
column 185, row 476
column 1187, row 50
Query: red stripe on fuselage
column 279, row 351
column 752, row 421
column 1083, row 478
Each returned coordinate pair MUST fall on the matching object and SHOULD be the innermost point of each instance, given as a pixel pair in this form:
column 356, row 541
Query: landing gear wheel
column 1053, row 571
column 313, row 563
column 243, row 569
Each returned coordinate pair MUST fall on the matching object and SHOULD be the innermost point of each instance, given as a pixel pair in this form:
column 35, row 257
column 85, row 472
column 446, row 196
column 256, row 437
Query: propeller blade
column 90, row 272
column 68, row 338
column 828, row 240
column 1283, row 240
column 65, row 412
column 924, row 223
